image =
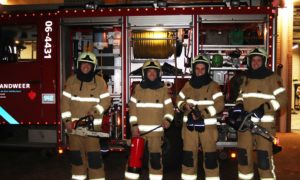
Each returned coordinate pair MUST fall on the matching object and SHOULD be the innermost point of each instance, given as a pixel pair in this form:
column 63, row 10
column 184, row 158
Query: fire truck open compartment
column 165, row 38
column 102, row 36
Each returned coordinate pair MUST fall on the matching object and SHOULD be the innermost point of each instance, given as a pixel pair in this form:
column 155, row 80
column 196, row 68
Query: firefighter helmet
column 257, row 52
column 151, row 64
column 201, row 59
column 88, row 57
column 217, row 60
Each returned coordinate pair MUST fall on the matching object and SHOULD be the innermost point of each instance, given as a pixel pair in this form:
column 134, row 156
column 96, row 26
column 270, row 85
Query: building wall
column 284, row 56
column 295, row 71
column 296, row 64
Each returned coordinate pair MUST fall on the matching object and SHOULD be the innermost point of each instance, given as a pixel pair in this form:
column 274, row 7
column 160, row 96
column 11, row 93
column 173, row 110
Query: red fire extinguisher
column 135, row 161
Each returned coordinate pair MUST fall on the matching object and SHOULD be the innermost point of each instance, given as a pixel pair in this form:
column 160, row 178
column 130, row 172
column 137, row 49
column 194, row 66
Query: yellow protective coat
column 210, row 102
column 253, row 93
column 209, row 99
column 148, row 108
column 78, row 100
column 92, row 98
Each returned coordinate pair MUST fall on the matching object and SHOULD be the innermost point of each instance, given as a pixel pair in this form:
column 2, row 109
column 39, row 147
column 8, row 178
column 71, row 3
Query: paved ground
column 35, row 165
column 288, row 162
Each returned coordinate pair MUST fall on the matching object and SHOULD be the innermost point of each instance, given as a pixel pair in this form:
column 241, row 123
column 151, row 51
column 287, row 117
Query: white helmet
column 88, row 57
column 201, row 59
column 257, row 52
column 151, row 64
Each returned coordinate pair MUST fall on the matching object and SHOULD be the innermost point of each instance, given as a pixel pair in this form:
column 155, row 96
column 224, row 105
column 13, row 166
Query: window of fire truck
column 18, row 43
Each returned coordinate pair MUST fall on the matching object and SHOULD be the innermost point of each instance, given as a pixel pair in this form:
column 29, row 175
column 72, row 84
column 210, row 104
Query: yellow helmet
column 257, row 52
column 88, row 57
column 201, row 59
column 151, row 64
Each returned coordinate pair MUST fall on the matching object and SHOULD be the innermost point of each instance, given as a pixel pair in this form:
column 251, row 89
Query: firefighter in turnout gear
column 201, row 100
column 85, row 93
column 262, row 94
column 150, row 106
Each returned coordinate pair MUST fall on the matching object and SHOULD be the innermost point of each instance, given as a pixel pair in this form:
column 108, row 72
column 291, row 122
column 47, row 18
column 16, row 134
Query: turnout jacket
column 208, row 98
column 268, row 91
column 80, row 98
column 148, row 108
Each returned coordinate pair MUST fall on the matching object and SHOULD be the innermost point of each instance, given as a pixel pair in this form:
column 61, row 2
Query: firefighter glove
column 259, row 112
column 199, row 124
column 236, row 111
column 190, row 123
column 235, row 116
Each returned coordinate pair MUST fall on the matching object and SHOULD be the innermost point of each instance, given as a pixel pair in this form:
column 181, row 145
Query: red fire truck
column 38, row 51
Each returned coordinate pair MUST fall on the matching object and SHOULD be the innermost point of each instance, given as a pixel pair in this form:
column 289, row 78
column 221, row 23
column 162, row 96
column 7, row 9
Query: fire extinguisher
column 135, row 161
